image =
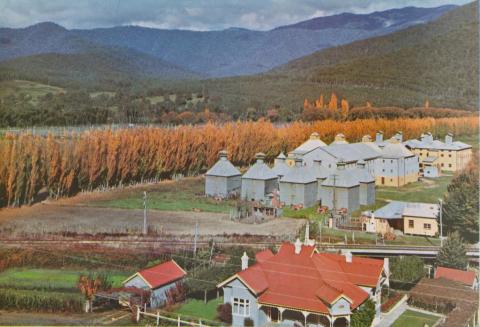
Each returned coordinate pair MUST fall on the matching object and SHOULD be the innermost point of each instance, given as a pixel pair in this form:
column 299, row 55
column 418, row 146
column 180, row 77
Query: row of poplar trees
column 63, row 165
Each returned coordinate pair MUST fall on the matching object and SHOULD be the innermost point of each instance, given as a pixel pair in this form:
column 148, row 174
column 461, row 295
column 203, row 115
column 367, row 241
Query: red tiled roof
column 162, row 274
column 466, row 277
column 263, row 255
column 309, row 280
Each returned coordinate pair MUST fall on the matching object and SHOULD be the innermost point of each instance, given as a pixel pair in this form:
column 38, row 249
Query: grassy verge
column 427, row 190
column 183, row 195
column 198, row 308
column 305, row 213
column 415, row 319
column 48, row 278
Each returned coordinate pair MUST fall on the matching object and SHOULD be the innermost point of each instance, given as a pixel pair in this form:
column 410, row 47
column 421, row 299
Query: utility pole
column 441, row 222
column 334, row 202
column 195, row 239
column 145, row 230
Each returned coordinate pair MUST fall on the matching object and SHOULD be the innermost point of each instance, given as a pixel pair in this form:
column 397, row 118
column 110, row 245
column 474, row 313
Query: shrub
column 364, row 315
column 406, row 271
column 224, row 313
column 40, row 301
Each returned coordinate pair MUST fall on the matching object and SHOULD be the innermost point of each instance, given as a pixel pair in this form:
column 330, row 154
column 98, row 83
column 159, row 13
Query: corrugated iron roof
column 436, row 145
column 308, row 146
column 260, row 171
column 465, row 277
column 395, row 151
column 223, row 168
column 398, row 209
column 300, row 175
column 342, row 178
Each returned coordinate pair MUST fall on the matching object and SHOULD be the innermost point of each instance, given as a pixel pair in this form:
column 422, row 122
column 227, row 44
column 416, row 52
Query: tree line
column 64, row 165
column 158, row 106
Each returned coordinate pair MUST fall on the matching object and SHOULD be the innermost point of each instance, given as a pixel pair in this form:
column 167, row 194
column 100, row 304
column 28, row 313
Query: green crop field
column 48, row 278
column 198, row 308
column 183, row 195
column 415, row 319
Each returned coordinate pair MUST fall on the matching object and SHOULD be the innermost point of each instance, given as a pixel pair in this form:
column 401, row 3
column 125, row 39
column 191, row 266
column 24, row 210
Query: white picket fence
column 178, row 321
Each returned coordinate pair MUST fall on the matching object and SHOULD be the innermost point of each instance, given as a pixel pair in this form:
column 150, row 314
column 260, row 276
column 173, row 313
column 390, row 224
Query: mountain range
column 185, row 54
column 399, row 57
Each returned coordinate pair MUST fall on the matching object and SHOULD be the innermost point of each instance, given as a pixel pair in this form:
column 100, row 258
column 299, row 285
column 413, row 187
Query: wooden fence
column 178, row 321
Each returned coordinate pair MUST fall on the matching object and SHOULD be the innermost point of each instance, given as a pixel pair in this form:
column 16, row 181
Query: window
column 383, row 161
column 449, row 155
column 241, row 307
column 441, row 155
column 391, row 170
column 450, row 165
column 427, row 226
column 411, row 224
column 391, row 161
column 442, row 164
column 383, row 170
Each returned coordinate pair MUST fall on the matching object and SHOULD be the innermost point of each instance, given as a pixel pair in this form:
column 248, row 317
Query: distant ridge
column 230, row 52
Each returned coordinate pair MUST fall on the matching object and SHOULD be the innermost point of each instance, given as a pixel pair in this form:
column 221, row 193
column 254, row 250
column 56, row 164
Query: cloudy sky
column 188, row 14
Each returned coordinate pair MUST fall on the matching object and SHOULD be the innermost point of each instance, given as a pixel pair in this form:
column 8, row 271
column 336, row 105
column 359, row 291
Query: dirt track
column 64, row 218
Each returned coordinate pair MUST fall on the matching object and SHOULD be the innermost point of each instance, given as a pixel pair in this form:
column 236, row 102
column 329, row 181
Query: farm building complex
column 340, row 175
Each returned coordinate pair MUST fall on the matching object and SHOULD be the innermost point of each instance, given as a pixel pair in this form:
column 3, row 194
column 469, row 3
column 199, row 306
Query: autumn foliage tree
column 65, row 164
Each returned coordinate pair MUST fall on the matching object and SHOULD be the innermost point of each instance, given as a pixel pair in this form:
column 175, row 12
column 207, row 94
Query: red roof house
column 299, row 279
column 468, row 278
column 158, row 280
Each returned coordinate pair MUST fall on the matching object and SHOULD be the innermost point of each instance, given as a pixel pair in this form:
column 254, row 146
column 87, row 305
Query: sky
column 199, row 15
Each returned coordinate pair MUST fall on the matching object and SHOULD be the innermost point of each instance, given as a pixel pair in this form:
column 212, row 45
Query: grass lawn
column 183, row 195
column 48, row 278
column 415, row 319
column 198, row 309
column 427, row 190
column 305, row 213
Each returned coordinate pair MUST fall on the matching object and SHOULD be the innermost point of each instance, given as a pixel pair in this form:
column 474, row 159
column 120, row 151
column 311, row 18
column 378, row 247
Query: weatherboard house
column 158, row 280
column 223, row 179
column 300, row 286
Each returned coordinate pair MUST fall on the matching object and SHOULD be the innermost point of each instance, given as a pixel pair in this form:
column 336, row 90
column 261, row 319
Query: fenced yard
column 412, row 318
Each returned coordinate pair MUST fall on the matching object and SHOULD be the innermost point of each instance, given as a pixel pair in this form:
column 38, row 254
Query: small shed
column 367, row 184
column 430, row 167
column 158, row 279
column 259, row 181
column 280, row 166
column 341, row 189
column 299, row 185
column 223, row 178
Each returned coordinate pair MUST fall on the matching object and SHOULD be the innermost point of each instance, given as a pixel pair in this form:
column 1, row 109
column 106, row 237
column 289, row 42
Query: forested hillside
column 437, row 61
